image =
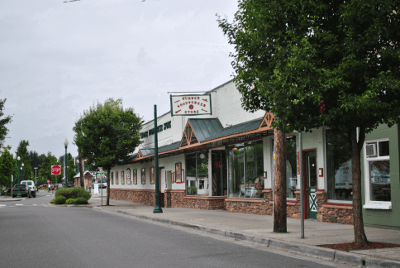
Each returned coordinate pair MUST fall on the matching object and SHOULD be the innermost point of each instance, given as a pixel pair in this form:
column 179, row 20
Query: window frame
column 143, row 176
column 134, row 176
column 122, row 177
column 370, row 204
column 178, row 173
column 128, row 176
column 152, row 175
column 116, row 178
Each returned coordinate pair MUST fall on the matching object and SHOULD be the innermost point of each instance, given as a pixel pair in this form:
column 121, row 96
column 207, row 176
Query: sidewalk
column 258, row 229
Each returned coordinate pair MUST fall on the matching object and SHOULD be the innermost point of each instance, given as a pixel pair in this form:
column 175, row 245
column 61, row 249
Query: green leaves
column 291, row 55
column 107, row 133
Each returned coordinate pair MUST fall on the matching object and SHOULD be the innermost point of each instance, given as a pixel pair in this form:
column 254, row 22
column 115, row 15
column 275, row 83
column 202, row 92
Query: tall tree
column 4, row 120
column 23, row 153
column 8, row 167
column 107, row 134
column 320, row 63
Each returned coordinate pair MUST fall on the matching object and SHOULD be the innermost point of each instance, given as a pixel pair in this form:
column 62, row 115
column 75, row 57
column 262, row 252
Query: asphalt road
column 36, row 235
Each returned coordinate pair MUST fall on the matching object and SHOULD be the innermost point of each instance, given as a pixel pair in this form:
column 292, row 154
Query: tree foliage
column 107, row 134
column 8, row 167
column 4, row 120
column 44, row 172
column 320, row 63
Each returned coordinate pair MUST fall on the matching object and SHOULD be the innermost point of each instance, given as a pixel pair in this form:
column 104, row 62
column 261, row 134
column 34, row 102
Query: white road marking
column 19, row 204
column 2, row 205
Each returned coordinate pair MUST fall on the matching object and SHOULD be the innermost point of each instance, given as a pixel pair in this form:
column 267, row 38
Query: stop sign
column 55, row 170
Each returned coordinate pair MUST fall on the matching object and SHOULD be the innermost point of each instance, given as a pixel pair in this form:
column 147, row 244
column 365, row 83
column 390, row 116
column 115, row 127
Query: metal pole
column 301, row 184
column 65, row 167
column 157, row 208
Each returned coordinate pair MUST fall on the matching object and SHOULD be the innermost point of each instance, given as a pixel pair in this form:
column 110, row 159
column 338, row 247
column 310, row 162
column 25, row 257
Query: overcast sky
column 57, row 59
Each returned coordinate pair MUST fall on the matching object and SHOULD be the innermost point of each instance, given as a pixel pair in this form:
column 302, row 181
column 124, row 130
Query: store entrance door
column 219, row 176
column 310, row 184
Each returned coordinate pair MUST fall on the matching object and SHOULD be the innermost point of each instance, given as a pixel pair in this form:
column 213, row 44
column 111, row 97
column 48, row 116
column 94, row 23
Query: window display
column 128, row 176
column 143, row 176
column 246, row 170
column 338, row 163
column 197, row 174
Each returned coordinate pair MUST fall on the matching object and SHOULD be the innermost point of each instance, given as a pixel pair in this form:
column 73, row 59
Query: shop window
column 143, row 176
column 196, row 174
column 178, row 172
column 116, row 178
column 245, row 175
column 377, row 170
column 134, row 176
column 122, row 178
column 291, row 165
column 112, row 178
column 128, row 176
column 152, row 175
column 338, row 167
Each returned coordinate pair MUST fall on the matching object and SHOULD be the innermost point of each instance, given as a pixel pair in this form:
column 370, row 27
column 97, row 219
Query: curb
column 323, row 253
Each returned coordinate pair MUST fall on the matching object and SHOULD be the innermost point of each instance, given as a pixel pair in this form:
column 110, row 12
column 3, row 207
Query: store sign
column 160, row 128
column 55, row 170
column 186, row 105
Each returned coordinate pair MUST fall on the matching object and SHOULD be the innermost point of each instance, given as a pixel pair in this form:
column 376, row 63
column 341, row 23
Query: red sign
column 55, row 170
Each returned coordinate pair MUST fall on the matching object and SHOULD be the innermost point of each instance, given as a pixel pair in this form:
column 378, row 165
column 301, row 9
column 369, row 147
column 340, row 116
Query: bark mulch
column 352, row 246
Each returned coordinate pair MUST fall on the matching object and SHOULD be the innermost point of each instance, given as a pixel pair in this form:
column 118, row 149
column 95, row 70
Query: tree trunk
column 359, row 233
column 108, row 187
column 81, row 181
column 280, row 219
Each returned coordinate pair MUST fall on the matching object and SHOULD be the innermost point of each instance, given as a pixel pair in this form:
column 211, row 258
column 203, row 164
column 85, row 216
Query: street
column 35, row 234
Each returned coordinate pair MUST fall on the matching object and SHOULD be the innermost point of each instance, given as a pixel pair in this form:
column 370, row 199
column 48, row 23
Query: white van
column 31, row 185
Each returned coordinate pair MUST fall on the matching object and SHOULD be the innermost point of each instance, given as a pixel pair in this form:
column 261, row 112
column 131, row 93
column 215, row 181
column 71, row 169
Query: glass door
column 311, row 183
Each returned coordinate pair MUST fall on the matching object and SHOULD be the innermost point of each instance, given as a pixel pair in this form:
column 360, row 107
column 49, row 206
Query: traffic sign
column 55, row 170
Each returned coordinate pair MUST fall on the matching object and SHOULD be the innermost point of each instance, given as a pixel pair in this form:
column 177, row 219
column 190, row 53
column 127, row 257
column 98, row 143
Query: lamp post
column 22, row 171
column 19, row 191
column 66, row 162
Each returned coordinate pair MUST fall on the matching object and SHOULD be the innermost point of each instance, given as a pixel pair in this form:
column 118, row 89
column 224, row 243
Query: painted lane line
column 2, row 205
column 19, row 204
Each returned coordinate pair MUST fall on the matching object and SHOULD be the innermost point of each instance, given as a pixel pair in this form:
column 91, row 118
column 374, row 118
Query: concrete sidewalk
column 258, row 229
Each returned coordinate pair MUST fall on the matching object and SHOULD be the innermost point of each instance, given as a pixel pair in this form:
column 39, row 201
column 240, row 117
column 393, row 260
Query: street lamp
column 65, row 166
column 19, row 191
column 22, row 171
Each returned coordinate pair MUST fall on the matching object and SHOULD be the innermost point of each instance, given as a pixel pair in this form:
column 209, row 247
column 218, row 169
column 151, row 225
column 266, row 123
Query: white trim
column 380, row 205
column 369, row 204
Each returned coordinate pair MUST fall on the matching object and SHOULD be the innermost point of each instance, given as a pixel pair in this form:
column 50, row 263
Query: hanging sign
column 186, row 105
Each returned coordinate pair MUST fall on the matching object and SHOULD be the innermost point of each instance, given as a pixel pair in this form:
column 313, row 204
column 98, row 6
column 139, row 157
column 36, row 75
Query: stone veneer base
column 327, row 212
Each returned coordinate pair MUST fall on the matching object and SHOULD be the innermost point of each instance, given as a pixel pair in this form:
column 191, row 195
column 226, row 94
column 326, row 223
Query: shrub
column 60, row 200
column 70, row 201
column 81, row 200
column 52, row 201
column 85, row 194
column 74, row 193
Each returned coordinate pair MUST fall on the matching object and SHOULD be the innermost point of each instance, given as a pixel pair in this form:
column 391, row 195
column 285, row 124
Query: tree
column 22, row 152
column 45, row 168
column 8, row 167
column 4, row 120
column 320, row 63
column 107, row 134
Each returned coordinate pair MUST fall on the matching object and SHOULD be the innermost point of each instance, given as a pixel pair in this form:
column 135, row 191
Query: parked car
column 31, row 185
column 23, row 189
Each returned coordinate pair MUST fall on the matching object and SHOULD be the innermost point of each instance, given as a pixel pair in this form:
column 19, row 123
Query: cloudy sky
column 57, row 58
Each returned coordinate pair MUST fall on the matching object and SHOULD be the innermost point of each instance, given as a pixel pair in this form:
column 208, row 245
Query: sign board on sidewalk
column 55, row 170
column 184, row 105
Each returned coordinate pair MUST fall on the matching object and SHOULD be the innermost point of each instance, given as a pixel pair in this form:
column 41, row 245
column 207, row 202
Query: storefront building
column 225, row 161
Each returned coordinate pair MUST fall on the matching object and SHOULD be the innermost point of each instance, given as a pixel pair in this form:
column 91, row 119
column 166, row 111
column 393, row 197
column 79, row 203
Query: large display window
column 291, row 166
column 246, row 170
column 338, row 167
column 197, row 174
